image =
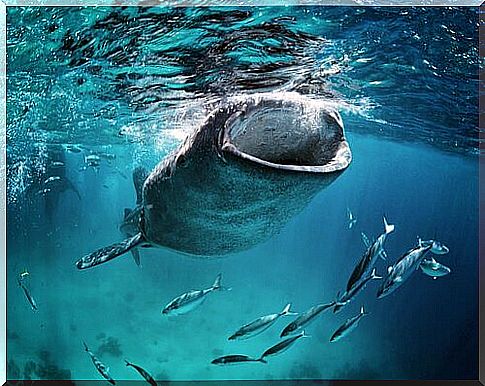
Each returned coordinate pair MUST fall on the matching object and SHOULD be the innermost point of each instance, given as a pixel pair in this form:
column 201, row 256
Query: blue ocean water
column 129, row 84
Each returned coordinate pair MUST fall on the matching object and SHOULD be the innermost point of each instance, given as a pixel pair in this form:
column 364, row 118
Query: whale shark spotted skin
column 254, row 163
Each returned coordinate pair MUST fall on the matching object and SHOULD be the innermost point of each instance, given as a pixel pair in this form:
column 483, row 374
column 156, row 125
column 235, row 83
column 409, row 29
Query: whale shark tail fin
column 139, row 176
column 110, row 252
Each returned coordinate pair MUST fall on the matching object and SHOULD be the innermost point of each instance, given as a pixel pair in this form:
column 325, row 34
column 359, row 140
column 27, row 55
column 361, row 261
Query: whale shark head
column 287, row 131
column 255, row 161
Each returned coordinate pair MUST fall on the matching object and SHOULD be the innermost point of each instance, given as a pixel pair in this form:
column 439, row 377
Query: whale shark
column 254, row 163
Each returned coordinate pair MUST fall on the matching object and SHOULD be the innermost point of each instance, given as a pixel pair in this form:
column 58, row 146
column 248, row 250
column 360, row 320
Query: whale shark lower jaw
column 287, row 131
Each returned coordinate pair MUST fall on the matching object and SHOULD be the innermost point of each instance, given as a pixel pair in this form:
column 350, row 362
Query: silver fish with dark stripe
column 145, row 374
column 101, row 367
column 305, row 318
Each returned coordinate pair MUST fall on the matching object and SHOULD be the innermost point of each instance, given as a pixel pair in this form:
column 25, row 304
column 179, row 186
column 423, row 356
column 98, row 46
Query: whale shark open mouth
column 292, row 134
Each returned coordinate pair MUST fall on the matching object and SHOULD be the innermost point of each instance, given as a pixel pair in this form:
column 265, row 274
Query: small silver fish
column 190, row 300
column 72, row 148
column 102, row 369
column 44, row 191
column 305, row 318
column 235, row 359
column 352, row 219
column 142, row 372
column 107, row 156
column 434, row 269
column 349, row 326
column 403, row 269
column 28, row 295
column 259, row 325
column 92, row 160
column 367, row 244
column 283, row 345
column 52, row 179
column 348, row 296
column 368, row 260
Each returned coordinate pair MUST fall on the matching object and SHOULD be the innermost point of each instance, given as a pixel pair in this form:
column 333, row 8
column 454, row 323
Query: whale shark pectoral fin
column 127, row 212
column 110, row 252
column 136, row 256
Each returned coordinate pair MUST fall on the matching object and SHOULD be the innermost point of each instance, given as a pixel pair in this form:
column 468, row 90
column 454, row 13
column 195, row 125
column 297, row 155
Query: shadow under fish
column 239, row 178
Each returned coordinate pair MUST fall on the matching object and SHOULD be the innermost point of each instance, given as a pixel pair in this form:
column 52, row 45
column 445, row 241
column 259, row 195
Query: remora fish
column 259, row 325
column 305, row 318
column 190, row 300
column 283, row 345
column 102, row 369
column 143, row 373
column 235, row 359
column 352, row 219
column 349, row 326
column 348, row 296
column 27, row 293
column 403, row 269
column 434, row 269
column 370, row 256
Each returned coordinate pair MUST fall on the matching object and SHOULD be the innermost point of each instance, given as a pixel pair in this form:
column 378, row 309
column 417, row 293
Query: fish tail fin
column 127, row 363
column 388, row 227
column 363, row 312
column 305, row 335
column 262, row 360
column 86, row 348
column 374, row 275
column 217, row 282
column 286, row 311
column 337, row 308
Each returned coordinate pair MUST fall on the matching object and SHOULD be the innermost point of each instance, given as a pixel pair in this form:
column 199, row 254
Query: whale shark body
column 255, row 162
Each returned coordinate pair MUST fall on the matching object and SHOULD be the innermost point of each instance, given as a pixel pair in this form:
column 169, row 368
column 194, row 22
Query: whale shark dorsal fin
column 139, row 176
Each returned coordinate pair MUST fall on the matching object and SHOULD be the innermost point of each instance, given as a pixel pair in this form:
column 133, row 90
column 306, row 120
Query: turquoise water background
column 405, row 81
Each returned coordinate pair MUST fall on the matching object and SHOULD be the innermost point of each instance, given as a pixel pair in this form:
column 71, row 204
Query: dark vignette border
column 297, row 382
